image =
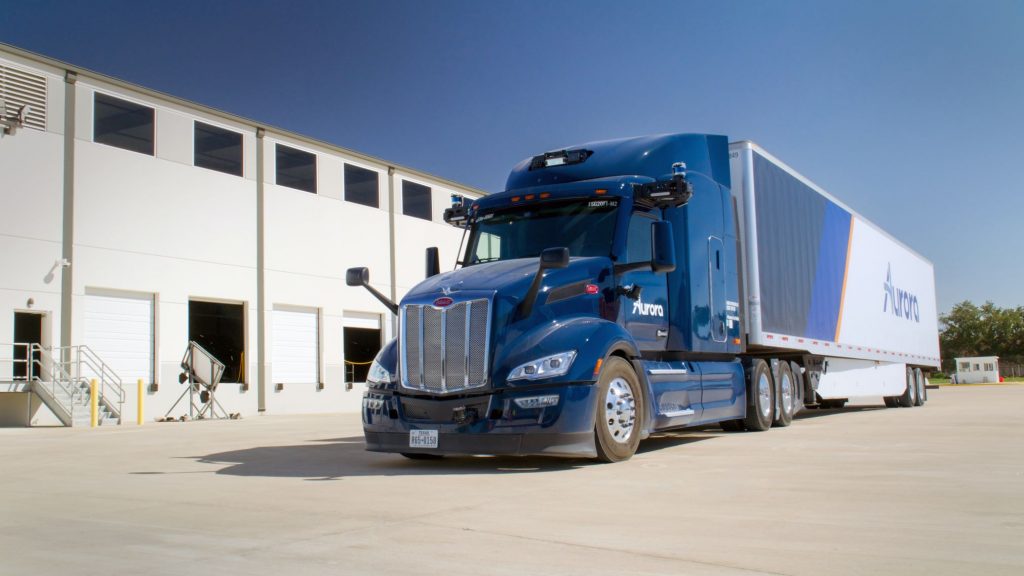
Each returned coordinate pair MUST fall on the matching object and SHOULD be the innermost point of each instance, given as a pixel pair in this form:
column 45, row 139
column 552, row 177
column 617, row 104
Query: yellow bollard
column 140, row 402
column 94, row 404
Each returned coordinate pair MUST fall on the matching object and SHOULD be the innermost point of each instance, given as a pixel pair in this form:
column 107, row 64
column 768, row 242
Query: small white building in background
column 977, row 370
column 132, row 222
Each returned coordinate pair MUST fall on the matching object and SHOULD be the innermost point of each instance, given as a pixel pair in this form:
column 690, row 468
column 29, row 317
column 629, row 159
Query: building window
column 296, row 169
column 965, row 366
column 989, row 367
column 218, row 149
column 361, row 186
column 416, row 200
column 122, row 124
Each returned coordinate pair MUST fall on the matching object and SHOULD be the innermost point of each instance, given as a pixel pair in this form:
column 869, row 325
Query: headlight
column 547, row 367
column 378, row 375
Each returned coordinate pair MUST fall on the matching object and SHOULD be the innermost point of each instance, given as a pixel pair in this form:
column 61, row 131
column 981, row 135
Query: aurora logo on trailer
column 901, row 303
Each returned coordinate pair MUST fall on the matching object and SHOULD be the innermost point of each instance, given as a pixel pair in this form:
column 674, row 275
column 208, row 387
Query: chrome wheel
column 620, row 410
column 786, row 388
column 764, row 395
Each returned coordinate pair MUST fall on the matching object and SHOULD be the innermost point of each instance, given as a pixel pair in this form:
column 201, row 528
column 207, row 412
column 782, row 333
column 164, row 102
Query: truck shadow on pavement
column 336, row 458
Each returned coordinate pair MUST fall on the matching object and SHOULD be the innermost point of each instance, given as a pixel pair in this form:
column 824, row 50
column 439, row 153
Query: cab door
column 645, row 316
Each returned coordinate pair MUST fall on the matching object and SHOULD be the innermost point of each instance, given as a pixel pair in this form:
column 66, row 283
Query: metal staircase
column 60, row 377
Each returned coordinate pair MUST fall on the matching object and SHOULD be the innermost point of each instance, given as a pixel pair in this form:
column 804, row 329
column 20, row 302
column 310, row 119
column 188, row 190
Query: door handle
column 662, row 333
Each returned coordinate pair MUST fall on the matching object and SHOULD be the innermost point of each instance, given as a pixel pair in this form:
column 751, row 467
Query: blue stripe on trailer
column 830, row 274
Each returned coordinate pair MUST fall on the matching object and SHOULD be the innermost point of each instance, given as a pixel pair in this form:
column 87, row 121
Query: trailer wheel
column 787, row 395
column 619, row 411
column 919, row 386
column 909, row 397
column 760, row 397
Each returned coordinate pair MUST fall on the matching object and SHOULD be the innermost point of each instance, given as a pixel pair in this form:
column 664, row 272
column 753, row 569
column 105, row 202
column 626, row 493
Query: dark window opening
column 416, row 200
column 361, row 346
column 123, row 124
column 296, row 169
column 220, row 329
column 361, row 186
column 218, row 149
column 28, row 329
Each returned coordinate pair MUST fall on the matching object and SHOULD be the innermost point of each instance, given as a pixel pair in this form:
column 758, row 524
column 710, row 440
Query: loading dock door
column 295, row 353
column 119, row 329
column 362, row 341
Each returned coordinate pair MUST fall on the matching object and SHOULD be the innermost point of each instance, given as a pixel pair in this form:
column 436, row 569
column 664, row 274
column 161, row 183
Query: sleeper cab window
column 218, row 149
column 122, row 124
column 296, row 169
column 361, row 186
column 416, row 200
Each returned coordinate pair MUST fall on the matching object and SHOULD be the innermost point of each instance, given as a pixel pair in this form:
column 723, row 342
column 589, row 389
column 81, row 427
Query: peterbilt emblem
column 443, row 302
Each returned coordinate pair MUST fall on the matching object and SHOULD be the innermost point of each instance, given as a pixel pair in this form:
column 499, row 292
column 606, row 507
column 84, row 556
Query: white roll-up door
column 295, row 350
column 119, row 329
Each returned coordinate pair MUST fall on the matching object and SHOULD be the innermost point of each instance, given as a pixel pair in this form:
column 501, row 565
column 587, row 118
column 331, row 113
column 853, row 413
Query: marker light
column 537, row 401
column 547, row 367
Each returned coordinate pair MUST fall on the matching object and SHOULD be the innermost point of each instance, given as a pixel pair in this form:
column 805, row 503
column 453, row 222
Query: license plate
column 423, row 439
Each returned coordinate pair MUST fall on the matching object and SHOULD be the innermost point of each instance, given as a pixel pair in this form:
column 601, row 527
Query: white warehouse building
column 133, row 222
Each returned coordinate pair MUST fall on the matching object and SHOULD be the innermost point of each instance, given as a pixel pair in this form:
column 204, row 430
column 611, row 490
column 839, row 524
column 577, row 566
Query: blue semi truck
column 620, row 288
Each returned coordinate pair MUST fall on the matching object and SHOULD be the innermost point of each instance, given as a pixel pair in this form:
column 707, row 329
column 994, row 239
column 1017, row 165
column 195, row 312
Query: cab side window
column 638, row 240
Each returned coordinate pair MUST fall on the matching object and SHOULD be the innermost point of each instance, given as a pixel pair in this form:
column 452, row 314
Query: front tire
column 760, row 397
column 619, row 411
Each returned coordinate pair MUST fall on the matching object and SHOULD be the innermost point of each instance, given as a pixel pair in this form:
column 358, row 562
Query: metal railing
column 61, row 376
column 44, row 376
column 84, row 364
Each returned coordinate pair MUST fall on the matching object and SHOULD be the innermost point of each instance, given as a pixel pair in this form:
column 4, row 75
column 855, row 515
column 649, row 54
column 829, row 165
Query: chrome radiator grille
column 444, row 350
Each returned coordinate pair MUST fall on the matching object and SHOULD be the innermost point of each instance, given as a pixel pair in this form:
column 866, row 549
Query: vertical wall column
column 68, row 211
column 261, row 278
column 391, row 244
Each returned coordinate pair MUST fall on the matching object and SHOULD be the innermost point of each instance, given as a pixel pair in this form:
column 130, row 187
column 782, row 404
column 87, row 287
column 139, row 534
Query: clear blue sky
column 912, row 112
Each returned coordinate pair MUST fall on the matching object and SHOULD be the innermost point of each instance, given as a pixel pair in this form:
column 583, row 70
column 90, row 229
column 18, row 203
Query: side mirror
column 361, row 277
column 552, row 258
column 663, row 247
column 357, row 276
column 433, row 262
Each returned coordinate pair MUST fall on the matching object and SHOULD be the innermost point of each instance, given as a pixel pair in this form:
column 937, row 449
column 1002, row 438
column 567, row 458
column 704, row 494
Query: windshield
column 585, row 227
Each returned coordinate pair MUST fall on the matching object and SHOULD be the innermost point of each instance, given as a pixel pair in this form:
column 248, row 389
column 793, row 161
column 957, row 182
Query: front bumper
column 485, row 424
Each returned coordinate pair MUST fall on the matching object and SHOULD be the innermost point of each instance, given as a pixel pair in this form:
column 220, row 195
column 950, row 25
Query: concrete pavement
column 865, row 490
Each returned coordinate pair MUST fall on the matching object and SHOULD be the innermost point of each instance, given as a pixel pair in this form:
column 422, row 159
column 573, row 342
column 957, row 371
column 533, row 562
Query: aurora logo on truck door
column 644, row 309
column 900, row 302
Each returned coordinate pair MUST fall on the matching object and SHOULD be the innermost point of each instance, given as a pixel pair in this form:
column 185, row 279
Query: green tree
column 986, row 330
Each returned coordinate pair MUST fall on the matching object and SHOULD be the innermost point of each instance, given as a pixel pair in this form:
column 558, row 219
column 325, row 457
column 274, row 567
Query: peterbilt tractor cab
column 574, row 324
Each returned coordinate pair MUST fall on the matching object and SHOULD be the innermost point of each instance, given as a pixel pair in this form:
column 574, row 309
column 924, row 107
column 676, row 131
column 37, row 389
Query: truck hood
column 507, row 279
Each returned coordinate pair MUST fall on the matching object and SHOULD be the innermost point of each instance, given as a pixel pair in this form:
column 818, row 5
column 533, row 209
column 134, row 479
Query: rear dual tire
column 760, row 397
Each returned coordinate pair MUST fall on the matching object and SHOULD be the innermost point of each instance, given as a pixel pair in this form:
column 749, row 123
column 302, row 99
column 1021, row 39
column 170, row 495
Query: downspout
column 68, row 215
column 391, row 243
column 261, row 292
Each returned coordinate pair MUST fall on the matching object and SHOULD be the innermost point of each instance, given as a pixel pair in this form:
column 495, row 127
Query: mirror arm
column 383, row 299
